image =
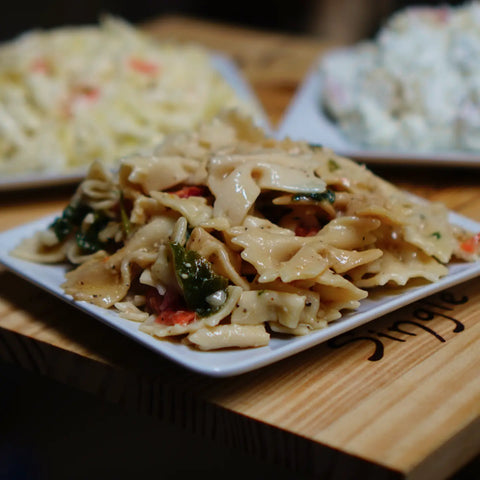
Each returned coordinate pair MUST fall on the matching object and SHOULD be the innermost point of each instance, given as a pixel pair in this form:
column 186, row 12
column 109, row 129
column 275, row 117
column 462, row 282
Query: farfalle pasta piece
column 337, row 293
column 350, row 233
column 104, row 280
column 271, row 306
column 278, row 253
column 236, row 180
column 229, row 336
column 398, row 267
column 153, row 173
column 223, row 260
column 195, row 209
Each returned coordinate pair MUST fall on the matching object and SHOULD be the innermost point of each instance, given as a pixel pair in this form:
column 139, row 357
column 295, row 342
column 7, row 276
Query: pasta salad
column 71, row 95
column 222, row 237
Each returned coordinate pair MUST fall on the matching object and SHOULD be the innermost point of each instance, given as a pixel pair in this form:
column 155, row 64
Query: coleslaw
column 72, row 95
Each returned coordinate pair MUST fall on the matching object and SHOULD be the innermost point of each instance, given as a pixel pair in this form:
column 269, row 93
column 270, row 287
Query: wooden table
column 331, row 411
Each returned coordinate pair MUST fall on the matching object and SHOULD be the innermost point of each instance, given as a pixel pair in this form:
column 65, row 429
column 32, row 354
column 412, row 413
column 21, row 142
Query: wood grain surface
column 397, row 398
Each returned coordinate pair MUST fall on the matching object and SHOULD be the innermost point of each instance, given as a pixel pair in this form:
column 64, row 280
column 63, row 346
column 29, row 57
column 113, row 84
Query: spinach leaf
column 197, row 279
column 70, row 221
column 332, row 165
column 71, row 217
column 328, row 195
column 88, row 241
column 126, row 225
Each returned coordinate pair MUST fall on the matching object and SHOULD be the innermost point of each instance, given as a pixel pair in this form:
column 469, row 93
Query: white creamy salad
column 415, row 87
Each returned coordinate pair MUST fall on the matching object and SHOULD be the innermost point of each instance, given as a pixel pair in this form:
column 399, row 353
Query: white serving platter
column 226, row 363
column 224, row 65
column 305, row 120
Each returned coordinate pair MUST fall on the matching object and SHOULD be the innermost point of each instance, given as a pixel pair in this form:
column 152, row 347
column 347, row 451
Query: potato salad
column 415, row 87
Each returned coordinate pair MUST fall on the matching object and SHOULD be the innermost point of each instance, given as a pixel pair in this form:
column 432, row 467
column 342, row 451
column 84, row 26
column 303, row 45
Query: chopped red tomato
column 40, row 65
column 191, row 191
column 441, row 15
column 154, row 300
column 83, row 93
column 301, row 231
column 143, row 66
column 91, row 93
column 168, row 307
column 158, row 303
column 175, row 317
column 472, row 244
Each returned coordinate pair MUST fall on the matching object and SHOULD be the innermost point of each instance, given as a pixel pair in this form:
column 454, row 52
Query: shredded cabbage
column 71, row 95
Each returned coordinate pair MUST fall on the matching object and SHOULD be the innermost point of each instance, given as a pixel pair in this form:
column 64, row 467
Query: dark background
column 299, row 16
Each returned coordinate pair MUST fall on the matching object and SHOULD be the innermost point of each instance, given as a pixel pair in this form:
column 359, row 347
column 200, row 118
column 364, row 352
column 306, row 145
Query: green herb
column 72, row 217
column 126, row 225
column 88, row 241
column 328, row 195
column 332, row 165
column 71, row 220
column 316, row 146
column 436, row 235
column 196, row 279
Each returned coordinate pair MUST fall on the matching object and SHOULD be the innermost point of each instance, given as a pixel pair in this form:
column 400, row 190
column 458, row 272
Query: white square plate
column 224, row 65
column 305, row 120
column 230, row 362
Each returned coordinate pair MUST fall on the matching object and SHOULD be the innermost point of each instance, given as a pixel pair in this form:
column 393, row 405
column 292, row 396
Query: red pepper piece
column 40, row 65
column 175, row 317
column 168, row 308
column 191, row 191
column 472, row 244
column 143, row 66
column 301, row 231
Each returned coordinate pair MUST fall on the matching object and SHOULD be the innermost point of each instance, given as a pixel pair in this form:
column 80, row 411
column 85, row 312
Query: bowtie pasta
column 71, row 95
column 223, row 237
